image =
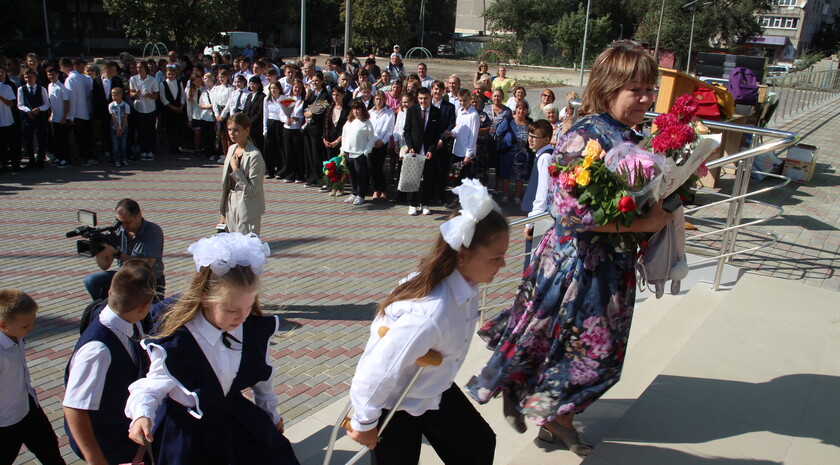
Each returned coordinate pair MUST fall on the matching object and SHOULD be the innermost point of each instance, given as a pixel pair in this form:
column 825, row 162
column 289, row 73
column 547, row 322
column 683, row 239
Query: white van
column 233, row 41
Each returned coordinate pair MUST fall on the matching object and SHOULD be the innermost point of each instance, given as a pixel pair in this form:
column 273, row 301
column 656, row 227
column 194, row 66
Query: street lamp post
column 693, row 6
column 585, row 34
column 303, row 28
column 659, row 32
column 47, row 29
column 348, row 29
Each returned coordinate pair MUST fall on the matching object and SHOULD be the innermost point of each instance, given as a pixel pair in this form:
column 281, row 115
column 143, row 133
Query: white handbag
column 411, row 172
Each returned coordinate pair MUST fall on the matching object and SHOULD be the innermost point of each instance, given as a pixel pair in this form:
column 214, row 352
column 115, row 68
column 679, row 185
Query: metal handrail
column 736, row 199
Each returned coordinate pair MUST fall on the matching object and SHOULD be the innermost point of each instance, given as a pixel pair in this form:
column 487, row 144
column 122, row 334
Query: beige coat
column 243, row 199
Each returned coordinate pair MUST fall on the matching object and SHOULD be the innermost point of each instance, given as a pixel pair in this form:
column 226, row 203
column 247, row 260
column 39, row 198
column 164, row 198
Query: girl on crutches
column 434, row 308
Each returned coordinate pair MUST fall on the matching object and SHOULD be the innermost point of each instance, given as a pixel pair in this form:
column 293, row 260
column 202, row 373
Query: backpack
column 743, row 86
column 707, row 103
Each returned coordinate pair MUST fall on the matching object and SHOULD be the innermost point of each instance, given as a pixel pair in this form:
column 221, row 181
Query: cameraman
column 138, row 238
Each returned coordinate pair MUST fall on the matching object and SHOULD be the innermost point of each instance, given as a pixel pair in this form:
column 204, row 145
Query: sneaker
column 269, row 176
column 221, row 159
column 324, row 188
column 350, row 198
column 150, row 156
column 300, row 181
column 90, row 162
column 288, row 181
column 412, row 211
column 333, row 193
column 426, row 211
column 311, row 184
column 517, row 201
column 359, row 201
column 62, row 164
column 125, row 163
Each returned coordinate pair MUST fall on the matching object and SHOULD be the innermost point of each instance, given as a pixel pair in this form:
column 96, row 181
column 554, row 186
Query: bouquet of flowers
column 316, row 108
column 335, row 173
column 601, row 187
column 455, row 171
column 676, row 138
column 288, row 105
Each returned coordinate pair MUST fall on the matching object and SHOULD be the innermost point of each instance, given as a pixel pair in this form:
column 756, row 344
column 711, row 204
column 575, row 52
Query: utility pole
column 585, row 34
column 348, row 28
column 303, row 28
column 659, row 32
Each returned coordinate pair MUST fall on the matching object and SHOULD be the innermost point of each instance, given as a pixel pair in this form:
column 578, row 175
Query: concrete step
column 758, row 382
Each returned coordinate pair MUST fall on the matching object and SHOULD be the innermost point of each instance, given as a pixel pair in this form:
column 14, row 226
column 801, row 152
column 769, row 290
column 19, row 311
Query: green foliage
column 808, row 59
column 510, row 47
column 186, row 22
column 379, row 23
column 527, row 19
column 567, row 34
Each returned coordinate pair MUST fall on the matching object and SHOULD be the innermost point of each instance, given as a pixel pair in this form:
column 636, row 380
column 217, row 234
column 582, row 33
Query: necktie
column 424, row 117
column 231, row 342
column 32, row 90
column 238, row 101
column 137, row 351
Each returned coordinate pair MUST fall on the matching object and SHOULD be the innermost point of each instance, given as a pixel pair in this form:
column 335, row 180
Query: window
column 786, row 2
column 779, row 22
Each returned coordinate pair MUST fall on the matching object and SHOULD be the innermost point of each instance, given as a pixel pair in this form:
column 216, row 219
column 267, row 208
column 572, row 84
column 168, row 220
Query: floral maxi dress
column 561, row 344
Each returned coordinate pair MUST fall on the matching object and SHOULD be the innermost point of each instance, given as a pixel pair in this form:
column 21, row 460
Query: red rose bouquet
column 335, row 173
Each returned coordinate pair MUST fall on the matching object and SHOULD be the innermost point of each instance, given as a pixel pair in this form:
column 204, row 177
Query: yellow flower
column 587, row 162
column 583, row 178
column 593, row 149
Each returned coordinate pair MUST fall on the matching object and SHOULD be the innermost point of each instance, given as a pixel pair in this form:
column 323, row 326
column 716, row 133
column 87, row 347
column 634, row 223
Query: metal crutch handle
column 431, row 358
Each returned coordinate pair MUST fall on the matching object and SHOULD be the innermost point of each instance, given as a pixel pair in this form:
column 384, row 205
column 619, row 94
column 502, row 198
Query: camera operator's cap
column 396, row 47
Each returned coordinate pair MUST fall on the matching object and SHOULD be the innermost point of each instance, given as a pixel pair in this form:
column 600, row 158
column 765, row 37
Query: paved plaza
column 331, row 263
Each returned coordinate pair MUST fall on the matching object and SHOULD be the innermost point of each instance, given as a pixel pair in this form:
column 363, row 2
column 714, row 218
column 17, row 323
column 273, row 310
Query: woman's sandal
column 570, row 437
column 512, row 414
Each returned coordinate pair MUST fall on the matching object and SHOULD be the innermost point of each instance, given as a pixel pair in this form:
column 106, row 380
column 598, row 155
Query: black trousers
column 174, row 124
column 274, row 148
column 208, row 136
column 10, row 145
column 377, row 165
column 35, row 131
column 427, row 186
column 146, row 133
column 443, row 162
column 316, row 155
column 456, row 431
column 83, row 134
column 293, row 155
column 359, row 178
column 36, row 432
column 61, row 141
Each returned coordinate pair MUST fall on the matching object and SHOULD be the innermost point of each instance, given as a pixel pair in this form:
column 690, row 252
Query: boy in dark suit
column 422, row 132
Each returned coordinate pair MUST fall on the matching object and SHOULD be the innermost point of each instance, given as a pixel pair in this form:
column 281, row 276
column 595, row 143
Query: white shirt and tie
column 31, row 90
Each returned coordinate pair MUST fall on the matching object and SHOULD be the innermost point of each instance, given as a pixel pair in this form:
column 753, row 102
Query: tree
column 379, row 23
column 567, row 34
column 528, row 19
column 186, row 22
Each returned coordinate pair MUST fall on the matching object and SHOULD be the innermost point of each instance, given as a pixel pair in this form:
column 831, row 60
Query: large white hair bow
column 226, row 250
column 476, row 203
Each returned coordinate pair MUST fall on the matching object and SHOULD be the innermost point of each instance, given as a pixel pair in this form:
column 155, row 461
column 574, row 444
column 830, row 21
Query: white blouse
column 383, row 124
column 399, row 125
column 219, row 96
column 194, row 109
column 146, row 394
column 444, row 321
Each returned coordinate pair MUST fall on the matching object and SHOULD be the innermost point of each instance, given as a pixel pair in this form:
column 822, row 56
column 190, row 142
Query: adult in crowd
column 383, row 119
column 34, row 103
column 482, row 71
column 336, row 117
column 100, row 99
column 243, row 198
column 144, row 90
column 394, row 95
column 577, row 283
column 453, row 90
column 384, row 82
column 253, row 109
column 517, row 95
column 504, row 83
column 395, row 68
column 546, row 98
column 80, row 89
column 315, row 111
column 514, row 157
column 552, row 115
column 423, row 73
column 138, row 238
column 499, row 116
column 482, row 149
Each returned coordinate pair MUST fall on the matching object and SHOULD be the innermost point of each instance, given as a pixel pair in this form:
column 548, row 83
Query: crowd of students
column 301, row 116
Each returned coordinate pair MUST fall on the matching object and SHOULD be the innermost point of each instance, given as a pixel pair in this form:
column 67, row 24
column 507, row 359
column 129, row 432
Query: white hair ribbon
column 224, row 251
column 476, row 203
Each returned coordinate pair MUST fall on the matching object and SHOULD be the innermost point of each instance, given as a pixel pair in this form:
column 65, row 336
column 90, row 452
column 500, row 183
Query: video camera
column 94, row 238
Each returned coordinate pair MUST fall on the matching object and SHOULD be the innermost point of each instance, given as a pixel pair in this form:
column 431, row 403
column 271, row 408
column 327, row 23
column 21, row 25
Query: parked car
column 778, row 69
column 446, row 49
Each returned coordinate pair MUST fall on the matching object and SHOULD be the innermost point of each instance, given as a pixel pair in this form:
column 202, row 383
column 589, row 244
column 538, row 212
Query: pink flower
column 702, row 171
column 599, row 340
column 583, row 372
column 672, row 137
column 591, row 321
column 631, row 164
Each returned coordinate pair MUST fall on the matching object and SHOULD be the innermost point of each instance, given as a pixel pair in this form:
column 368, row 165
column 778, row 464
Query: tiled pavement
column 331, row 262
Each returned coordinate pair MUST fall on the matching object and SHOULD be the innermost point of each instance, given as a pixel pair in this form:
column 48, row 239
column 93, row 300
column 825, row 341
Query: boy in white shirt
column 60, row 105
column 22, row 420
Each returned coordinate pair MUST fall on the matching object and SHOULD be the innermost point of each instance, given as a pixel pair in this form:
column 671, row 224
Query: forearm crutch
column 432, row 358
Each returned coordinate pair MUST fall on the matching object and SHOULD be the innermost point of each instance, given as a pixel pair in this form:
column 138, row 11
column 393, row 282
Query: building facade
column 790, row 28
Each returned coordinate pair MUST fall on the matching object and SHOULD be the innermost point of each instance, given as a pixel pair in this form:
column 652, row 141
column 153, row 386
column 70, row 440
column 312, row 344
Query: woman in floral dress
column 561, row 344
column 498, row 113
